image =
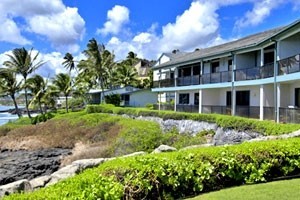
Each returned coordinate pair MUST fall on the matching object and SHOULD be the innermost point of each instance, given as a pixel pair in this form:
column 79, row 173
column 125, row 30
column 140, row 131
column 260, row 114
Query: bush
column 114, row 99
column 224, row 121
column 180, row 174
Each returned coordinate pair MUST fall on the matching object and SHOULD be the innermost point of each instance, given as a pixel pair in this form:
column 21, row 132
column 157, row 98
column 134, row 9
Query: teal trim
column 254, row 82
column 193, row 87
column 288, row 77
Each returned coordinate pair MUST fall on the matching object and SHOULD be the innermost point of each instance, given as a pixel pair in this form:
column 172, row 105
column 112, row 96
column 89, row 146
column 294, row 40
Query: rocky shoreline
column 23, row 164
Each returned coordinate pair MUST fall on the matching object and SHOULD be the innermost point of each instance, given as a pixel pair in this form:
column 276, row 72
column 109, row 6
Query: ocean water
column 5, row 116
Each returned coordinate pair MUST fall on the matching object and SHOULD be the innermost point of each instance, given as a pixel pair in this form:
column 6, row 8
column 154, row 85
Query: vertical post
column 261, row 102
column 233, row 90
column 159, row 99
column 175, row 100
column 200, row 101
column 278, row 103
column 276, row 106
column 261, row 89
column 201, row 71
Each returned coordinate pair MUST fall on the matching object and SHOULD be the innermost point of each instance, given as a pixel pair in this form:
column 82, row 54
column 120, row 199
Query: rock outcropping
column 21, row 164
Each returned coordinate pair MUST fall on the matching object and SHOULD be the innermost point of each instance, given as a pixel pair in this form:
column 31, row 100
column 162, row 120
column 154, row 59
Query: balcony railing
column 219, row 77
column 254, row 73
column 286, row 115
column 285, row 66
column 188, row 80
column 289, row 65
column 164, row 83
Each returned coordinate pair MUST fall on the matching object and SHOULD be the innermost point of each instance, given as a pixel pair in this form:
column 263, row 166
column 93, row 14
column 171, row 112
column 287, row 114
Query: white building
column 257, row 76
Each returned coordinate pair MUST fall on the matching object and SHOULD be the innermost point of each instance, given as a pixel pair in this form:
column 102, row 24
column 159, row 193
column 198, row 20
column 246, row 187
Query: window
column 242, row 98
column 196, row 69
column 184, row 98
column 196, row 99
column 182, row 72
column 269, row 57
column 215, row 67
column 297, row 97
column 230, row 65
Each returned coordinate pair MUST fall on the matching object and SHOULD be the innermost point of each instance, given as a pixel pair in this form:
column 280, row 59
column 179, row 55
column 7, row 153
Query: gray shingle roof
column 243, row 43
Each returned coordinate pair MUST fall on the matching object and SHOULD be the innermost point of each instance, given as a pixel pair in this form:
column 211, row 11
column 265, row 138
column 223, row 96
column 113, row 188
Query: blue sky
column 146, row 27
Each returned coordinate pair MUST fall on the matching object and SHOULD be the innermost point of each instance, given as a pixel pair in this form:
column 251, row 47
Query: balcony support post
column 278, row 102
column 175, row 100
column 233, row 90
column 200, row 101
column 261, row 102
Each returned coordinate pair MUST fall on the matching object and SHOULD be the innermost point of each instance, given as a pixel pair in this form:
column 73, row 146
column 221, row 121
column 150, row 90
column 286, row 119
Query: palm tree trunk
column 67, row 106
column 102, row 89
column 40, row 105
column 16, row 106
column 26, row 100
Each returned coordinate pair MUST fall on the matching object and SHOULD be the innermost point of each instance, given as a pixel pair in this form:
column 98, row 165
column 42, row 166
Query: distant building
column 130, row 96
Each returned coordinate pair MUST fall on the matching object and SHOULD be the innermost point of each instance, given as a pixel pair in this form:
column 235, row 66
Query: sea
column 6, row 116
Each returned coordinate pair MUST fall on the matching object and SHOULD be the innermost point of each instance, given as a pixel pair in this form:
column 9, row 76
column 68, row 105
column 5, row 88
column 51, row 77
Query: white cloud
column 62, row 29
column 261, row 10
column 61, row 25
column 116, row 18
column 11, row 32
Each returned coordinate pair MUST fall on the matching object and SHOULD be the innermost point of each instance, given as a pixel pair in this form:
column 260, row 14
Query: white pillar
column 278, row 102
column 261, row 102
column 200, row 101
column 233, row 101
column 159, row 101
column 175, row 100
column 262, row 57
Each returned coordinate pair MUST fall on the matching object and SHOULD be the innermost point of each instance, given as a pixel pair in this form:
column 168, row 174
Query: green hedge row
column 227, row 122
column 179, row 174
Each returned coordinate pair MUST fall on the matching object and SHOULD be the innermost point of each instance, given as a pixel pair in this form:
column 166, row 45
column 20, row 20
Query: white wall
column 269, row 95
column 246, row 60
column 143, row 97
column 289, row 46
column 211, row 97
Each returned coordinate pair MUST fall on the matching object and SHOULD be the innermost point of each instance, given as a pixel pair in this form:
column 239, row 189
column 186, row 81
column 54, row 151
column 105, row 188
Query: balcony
column 289, row 65
column 219, row 77
column 254, row 73
column 285, row 66
column 188, row 80
column 164, row 83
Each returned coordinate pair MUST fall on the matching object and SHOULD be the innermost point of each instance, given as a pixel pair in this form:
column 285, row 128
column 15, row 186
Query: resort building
column 256, row 76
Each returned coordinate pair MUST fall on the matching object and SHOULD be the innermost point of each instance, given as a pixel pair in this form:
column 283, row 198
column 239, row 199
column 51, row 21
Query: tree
column 126, row 75
column 97, row 65
column 9, row 86
column 63, row 84
column 23, row 62
column 38, row 87
column 69, row 62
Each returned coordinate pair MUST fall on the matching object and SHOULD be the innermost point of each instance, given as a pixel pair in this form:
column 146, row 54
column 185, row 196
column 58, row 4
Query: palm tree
column 126, row 75
column 24, row 63
column 97, row 64
column 9, row 86
column 69, row 62
column 38, row 87
column 64, row 85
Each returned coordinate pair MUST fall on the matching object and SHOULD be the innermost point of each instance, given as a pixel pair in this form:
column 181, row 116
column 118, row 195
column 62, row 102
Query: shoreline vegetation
column 95, row 133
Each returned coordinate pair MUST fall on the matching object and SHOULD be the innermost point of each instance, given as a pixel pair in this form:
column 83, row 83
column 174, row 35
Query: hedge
column 179, row 174
column 225, row 121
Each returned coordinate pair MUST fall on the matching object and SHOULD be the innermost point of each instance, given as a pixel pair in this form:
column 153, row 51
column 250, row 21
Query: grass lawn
column 288, row 189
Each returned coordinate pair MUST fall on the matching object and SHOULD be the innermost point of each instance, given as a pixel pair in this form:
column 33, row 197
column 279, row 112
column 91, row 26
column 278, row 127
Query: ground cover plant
column 224, row 121
column 179, row 174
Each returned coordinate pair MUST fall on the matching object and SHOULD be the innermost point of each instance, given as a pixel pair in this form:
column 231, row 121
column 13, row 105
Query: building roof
column 243, row 43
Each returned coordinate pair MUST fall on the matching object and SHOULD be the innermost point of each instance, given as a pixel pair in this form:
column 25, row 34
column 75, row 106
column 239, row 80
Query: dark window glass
column 184, row 98
column 196, row 70
column 297, row 97
column 228, row 98
column 215, row 67
column 269, row 57
column 229, row 65
column 196, row 99
column 243, row 98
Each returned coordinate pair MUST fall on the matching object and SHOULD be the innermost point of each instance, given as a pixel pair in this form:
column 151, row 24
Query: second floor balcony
column 284, row 66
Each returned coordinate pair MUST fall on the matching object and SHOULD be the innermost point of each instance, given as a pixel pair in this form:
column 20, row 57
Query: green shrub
column 114, row 99
column 224, row 121
column 180, row 174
